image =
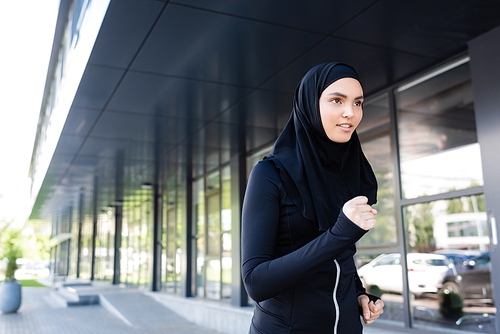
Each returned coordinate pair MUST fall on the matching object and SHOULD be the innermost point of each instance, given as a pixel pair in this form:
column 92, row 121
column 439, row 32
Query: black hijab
column 320, row 175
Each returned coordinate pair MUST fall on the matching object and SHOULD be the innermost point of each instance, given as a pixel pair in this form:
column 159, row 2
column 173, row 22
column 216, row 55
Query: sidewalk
column 40, row 313
column 121, row 311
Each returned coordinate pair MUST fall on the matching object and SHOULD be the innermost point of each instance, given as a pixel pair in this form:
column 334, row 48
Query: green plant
column 12, row 252
column 11, row 268
column 450, row 305
column 375, row 290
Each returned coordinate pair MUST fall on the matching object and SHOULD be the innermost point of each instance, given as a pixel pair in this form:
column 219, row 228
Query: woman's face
column 340, row 107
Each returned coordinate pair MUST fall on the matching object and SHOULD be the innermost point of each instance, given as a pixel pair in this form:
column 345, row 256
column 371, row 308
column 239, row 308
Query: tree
column 420, row 221
column 384, row 233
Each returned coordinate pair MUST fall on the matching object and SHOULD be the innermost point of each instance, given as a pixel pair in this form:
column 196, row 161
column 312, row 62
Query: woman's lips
column 345, row 126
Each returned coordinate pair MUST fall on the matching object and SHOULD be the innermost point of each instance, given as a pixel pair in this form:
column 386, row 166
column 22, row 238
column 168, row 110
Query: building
column 155, row 111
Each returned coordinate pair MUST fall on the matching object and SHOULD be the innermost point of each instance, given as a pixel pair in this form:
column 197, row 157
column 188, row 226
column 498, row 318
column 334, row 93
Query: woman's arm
column 264, row 275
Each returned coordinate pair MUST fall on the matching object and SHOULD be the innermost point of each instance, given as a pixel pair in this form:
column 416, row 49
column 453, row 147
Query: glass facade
column 105, row 246
column 226, row 236
column 437, row 134
column 444, row 279
column 212, row 256
column 137, row 241
column 199, row 216
column 212, row 213
column 374, row 132
column 73, row 267
column 449, row 274
column 170, row 261
column 86, row 234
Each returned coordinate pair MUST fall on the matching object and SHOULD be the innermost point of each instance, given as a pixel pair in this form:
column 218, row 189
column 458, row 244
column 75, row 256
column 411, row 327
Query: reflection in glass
column 134, row 259
column 385, row 273
column 213, row 237
column 146, row 240
column 169, row 249
column 437, row 135
column 374, row 134
column 180, row 221
column 454, row 229
column 199, row 214
column 124, row 249
column 377, row 151
column 208, row 211
column 381, row 275
column 227, row 247
column 136, row 252
column 104, row 252
column 213, row 225
column 86, row 241
column 213, row 265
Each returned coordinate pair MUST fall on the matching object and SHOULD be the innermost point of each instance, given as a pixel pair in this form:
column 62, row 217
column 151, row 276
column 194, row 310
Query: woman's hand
column 371, row 310
column 360, row 213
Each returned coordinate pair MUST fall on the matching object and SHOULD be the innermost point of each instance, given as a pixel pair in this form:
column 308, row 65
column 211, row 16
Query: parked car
column 458, row 256
column 472, row 279
column 425, row 272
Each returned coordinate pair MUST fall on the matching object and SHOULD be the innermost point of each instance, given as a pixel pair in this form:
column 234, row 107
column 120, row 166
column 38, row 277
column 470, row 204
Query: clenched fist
column 360, row 213
column 371, row 310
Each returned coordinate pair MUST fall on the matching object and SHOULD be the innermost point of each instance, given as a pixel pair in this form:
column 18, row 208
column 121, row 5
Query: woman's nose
column 348, row 113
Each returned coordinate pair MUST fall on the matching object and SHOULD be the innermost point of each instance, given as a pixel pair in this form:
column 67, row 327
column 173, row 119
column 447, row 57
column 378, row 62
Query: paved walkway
column 41, row 314
column 129, row 311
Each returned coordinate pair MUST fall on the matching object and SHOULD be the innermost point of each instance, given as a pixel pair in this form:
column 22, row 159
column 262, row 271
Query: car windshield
column 436, row 262
column 388, row 260
column 483, row 259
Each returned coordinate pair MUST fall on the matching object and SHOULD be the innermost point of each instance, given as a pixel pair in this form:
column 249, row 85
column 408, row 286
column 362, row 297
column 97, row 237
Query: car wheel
column 451, row 287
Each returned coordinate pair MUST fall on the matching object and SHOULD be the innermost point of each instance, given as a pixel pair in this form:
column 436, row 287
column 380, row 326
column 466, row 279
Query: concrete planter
column 10, row 297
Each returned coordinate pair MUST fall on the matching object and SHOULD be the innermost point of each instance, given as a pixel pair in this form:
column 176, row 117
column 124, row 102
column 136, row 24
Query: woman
column 306, row 205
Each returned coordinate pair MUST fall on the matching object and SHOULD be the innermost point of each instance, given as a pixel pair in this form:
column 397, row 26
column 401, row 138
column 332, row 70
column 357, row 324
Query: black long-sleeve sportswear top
column 303, row 280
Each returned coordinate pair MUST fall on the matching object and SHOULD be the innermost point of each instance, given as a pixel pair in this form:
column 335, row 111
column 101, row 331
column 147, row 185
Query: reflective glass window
column 213, row 237
column 375, row 140
column 136, row 253
column 382, row 276
column 170, row 282
column 437, row 133
column 199, row 216
column 213, row 265
column 86, row 235
column 212, row 210
column 180, row 223
column 104, row 253
column 449, row 274
column 226, row 256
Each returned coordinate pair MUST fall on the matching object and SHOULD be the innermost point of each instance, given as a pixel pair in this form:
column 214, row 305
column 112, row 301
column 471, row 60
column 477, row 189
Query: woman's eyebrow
column 345, row 96
column 337, row 94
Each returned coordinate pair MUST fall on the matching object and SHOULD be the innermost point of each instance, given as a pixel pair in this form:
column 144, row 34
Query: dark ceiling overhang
column 191, row 82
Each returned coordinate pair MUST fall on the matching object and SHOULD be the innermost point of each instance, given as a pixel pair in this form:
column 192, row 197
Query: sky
column 26, row 35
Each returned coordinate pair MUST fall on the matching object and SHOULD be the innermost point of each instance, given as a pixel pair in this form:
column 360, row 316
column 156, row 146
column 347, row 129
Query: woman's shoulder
column 266, row 169
column 265, row 166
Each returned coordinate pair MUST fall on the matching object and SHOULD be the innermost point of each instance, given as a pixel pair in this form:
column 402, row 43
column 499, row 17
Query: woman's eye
column 358, row 103
column 336, row 100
